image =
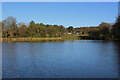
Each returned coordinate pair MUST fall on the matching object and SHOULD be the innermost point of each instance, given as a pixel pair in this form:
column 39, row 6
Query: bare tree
column 10, row 26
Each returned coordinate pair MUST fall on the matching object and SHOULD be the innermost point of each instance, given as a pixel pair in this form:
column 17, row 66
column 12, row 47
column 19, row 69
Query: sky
column 60, row 0
column 76, row 14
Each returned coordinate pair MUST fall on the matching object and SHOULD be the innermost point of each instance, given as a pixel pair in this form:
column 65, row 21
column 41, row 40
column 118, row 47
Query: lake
column 61, row 59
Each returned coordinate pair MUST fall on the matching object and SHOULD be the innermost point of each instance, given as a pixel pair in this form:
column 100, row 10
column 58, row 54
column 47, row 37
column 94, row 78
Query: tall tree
column 10, row 26
column 70, row 29
column 31, row 30
column 22, row 31
column 104, row 29
column 116, row 29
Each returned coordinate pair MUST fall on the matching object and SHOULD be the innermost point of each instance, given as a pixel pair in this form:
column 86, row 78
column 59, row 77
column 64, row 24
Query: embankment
column 28, row 39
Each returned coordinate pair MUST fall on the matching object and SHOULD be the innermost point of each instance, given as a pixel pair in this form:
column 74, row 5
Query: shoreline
column 28, row 39
column 32, row 39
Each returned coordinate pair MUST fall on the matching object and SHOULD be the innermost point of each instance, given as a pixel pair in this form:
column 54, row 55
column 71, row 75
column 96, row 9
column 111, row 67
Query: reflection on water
column 0, row 60
column 117, row 46
column 61, row 59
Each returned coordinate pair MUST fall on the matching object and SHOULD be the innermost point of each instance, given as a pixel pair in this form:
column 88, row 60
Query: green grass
column 76, row 37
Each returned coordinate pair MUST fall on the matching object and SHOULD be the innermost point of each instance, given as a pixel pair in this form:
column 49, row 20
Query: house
column 69, row 32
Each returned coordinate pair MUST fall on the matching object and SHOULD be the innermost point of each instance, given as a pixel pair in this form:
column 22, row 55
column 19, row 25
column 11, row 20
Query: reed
column 29, row 39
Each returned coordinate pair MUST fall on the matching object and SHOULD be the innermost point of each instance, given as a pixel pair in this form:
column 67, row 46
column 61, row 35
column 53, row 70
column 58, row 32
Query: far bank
column 23, row 39
column 28, row 39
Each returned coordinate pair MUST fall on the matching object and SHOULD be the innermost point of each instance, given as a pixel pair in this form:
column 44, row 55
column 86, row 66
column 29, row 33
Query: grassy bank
column 28, row 39
column 76, row 37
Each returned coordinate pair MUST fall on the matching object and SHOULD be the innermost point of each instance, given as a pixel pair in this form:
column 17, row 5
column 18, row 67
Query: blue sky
column 77, row 14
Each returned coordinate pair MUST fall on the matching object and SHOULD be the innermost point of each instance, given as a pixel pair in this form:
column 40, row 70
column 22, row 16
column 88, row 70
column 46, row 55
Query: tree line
column 104, row 31
column 10, row 28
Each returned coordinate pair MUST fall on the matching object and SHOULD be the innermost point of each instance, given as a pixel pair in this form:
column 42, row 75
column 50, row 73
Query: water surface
column 66, row 59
